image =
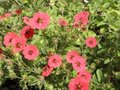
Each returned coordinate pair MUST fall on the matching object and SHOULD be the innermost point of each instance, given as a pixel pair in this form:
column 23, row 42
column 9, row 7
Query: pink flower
column 76, row 25
column 26, row 20
column 27, row 32
column 40, row 20
column 78, row 84
column 70, row 55
column 91, row 42
column 62, row 22
column 54, row 61
column 30, row 52
column 18, row 44
column 1, row 17
column 8, row 38
column 7, row 15
column 4, row 16
column 81, row 18
column 85, row 76
column 47, row 70
column 79, row 63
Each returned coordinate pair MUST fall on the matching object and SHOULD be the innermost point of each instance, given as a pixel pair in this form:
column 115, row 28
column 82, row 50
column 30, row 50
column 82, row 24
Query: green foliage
column 103, row 61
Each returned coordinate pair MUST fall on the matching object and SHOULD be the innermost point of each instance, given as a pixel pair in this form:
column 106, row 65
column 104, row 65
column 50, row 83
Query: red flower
column 30, row 52
column 85, row 76
column 18, row 11
column 47, row 70
column 55, row 61
column 62, row 22
column 27, row 32
column 79, row 63
column 40, row 20
column 91, row 42
column 78, row 84
column 8, row 38
column 70, row 55
column 81, row 18
column 18, row 44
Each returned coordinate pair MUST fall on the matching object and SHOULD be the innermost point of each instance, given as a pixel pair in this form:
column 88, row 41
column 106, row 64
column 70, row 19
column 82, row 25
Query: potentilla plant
column 40, row 20
column 53, row 45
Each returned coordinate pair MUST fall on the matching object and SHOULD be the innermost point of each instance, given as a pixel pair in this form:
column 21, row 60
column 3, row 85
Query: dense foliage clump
column 60, row 44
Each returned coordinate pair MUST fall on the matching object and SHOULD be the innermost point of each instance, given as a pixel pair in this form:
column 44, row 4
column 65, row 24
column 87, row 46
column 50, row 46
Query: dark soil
column 10, row 85
column 14, row 85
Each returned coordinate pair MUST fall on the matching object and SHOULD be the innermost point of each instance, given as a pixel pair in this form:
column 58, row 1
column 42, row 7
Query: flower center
column 84, row 76
column 46, row 68
column 40, row 20
column 18, row 45
column 63, row 22
column 30, row 52
column 80, row 22
column 78, row 87
column 78, row 64
column 27, row 32
column 72, row 57
column 54, row 60
column 10, row 40
column 90, row 42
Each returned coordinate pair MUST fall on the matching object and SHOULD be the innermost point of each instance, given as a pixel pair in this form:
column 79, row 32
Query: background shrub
column 102, row 61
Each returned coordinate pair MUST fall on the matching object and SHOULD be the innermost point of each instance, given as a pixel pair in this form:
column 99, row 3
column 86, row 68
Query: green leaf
column 100, row 23
column 99, row 75
column 89, row 34
column 107, row 61
column 24, row 1
column 67, row 79
column 117, row 75
column 74, row 73
column 48, row 86
column 94, row 79
column 102, row 30
column 78, row 42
